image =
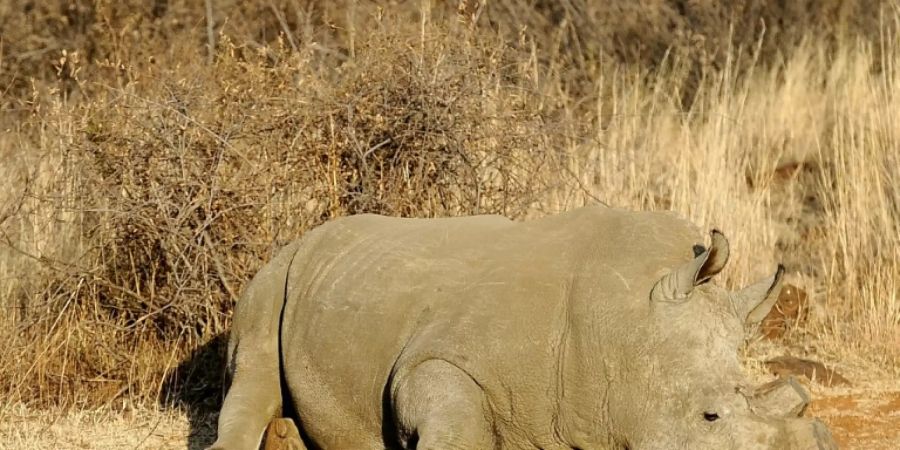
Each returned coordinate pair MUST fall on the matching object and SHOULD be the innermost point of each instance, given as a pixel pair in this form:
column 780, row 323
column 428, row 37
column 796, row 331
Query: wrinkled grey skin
column 594, row 329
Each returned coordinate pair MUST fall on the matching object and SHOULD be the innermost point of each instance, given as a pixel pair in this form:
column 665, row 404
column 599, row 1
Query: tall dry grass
column 799, row 165
column 147, row 177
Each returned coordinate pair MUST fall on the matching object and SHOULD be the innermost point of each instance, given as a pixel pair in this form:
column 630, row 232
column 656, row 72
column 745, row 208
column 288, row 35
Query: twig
column 219, row 269
column 210, row 33
column 222, row 140
column 376, row 147
column 284, row 26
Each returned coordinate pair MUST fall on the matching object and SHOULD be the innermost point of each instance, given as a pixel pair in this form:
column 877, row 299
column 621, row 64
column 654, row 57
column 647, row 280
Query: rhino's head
column 689, row 379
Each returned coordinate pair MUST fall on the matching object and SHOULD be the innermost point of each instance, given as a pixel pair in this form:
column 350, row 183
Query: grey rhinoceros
column 594, row 329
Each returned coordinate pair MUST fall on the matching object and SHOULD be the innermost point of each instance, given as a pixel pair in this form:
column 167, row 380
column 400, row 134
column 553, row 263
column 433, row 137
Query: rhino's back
column 369, row 294
column 356, row 290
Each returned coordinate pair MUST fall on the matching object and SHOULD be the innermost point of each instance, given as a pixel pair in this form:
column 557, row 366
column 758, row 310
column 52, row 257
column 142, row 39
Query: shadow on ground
column 196, row 387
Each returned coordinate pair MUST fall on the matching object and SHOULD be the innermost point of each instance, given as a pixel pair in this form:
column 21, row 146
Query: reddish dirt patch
column 790, row 310
column 784, row 366
column 869, row 420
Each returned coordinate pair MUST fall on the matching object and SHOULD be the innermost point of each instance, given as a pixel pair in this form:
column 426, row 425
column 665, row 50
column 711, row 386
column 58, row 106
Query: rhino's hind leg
column 255, row 397
column 438, row 406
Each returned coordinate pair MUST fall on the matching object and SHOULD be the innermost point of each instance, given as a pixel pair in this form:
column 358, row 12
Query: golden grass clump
column 155, row 154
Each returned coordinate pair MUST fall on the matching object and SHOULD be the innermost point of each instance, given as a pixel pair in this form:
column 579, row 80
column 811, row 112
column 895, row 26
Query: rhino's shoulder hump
column 374, row 224
column 609, row 223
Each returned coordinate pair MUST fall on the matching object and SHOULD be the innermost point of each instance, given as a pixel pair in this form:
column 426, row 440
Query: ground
column 24, row 429
column 860, row 418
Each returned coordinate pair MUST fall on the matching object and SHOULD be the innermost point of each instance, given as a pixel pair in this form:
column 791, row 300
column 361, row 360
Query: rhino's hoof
column 281, row 429
column 282, row 434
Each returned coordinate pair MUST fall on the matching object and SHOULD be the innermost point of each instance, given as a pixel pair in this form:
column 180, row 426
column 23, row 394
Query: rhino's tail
column 255, row 394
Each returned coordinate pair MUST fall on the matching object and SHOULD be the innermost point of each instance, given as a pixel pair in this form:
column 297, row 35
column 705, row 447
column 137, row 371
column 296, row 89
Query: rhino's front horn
column 779, row 399
column 753, row 302
column 679, row 283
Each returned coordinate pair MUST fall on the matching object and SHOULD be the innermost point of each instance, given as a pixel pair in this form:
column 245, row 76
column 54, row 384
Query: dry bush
column 184, row 184
column 148, row 177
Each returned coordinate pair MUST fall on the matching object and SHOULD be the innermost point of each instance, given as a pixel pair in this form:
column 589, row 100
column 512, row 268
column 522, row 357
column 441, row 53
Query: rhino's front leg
column 438, row 406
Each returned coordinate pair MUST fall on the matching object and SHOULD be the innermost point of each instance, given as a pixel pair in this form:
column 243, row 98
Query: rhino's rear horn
column 754, row 302
column 679, row 283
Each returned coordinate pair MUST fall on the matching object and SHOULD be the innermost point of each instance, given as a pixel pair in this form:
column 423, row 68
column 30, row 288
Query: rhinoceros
column 598, row 328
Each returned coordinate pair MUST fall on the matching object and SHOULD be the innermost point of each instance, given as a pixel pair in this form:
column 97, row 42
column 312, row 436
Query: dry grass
column 798, row 165
column 146, row 178
column 30, row 429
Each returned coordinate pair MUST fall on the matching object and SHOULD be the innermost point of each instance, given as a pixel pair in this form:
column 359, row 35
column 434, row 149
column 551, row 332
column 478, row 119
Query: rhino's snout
column 807, row 434
column 784, row 401
column 823, row 437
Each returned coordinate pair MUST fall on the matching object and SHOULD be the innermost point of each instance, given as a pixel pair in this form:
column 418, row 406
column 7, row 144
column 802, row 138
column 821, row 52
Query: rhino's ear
column 718, row 256
column 679, row 283
column 754, row 302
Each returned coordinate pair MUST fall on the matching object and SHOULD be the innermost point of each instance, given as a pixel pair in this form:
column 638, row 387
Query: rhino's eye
column 710, row 416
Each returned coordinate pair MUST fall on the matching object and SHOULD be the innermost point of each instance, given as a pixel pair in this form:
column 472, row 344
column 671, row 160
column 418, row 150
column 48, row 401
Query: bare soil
column 864, row 420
